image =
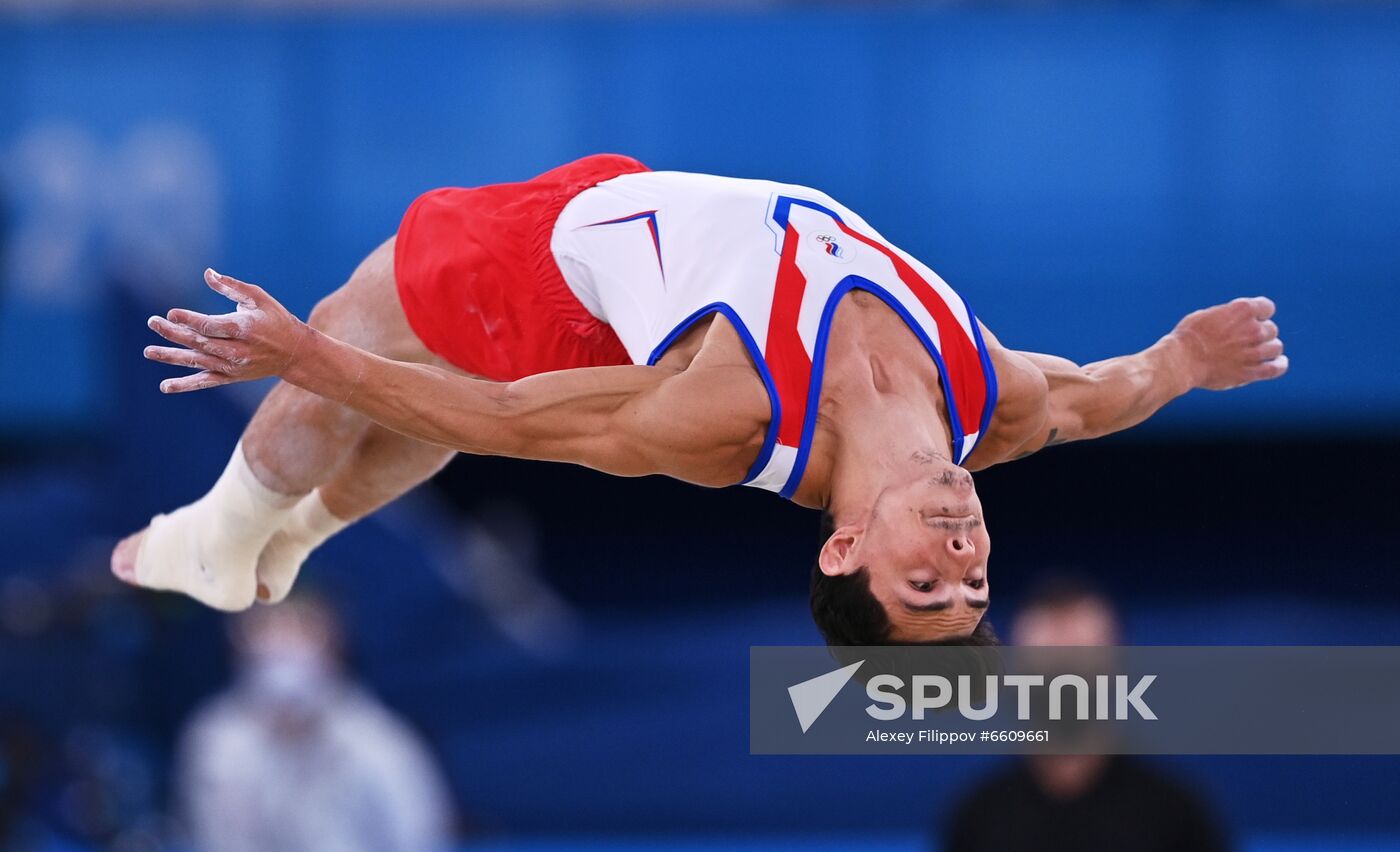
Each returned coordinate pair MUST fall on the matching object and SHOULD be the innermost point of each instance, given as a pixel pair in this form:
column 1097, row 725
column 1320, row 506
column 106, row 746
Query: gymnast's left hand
column 1233, row 344
column 260, row 338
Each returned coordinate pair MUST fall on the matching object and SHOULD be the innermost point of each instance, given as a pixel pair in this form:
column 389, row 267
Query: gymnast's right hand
column 260, row 338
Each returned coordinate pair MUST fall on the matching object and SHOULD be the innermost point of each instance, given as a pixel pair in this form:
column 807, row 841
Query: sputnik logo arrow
column 810, row 698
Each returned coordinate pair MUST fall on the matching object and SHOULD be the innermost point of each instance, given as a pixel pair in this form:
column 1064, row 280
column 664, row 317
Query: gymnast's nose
column 960, row 547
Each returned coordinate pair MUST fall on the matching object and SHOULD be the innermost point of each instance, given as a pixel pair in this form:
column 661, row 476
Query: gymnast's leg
column 383, row 467
column 295, row 442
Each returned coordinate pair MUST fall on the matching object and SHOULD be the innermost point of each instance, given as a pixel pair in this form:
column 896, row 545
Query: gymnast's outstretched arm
column 1217, row 348
column 626, row 420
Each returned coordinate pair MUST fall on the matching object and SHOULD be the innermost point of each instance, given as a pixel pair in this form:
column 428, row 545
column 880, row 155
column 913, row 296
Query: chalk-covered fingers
column 1270, row 369
column 259, row 339
column 224, row 325
column 245, row 294
column 1260, row 307
column 187, row 336
column 196, row 381
column 177, row 357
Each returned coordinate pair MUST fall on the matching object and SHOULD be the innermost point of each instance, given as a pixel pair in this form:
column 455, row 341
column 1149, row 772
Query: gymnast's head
column 911, row 568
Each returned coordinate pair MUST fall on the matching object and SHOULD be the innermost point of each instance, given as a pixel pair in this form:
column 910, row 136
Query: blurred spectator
column 1081, row 802
column 296, row 756
column 20, row 754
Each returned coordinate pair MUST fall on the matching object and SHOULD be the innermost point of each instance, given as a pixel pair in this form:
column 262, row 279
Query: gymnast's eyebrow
column 982, row 603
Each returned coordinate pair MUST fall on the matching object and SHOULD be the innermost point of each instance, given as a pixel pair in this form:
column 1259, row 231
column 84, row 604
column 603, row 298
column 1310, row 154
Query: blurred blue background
column 1083, row 174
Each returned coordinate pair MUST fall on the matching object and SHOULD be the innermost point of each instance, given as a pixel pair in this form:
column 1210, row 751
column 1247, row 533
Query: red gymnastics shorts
column 480, row 286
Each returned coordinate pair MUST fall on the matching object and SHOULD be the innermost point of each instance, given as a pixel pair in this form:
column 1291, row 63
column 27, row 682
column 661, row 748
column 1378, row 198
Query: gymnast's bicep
column 694, row 424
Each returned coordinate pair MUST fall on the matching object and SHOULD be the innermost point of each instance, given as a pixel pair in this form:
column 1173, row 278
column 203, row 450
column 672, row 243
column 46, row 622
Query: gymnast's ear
column 835, row 558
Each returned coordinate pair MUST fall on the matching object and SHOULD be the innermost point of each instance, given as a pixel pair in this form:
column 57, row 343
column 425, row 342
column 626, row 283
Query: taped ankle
column 209, row 549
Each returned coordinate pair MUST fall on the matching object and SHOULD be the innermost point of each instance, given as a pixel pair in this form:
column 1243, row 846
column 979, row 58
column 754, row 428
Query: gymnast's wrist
column 1179, row 363
column 312, row 360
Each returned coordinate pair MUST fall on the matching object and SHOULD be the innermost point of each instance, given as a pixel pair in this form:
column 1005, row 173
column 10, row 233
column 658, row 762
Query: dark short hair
column 847, row 613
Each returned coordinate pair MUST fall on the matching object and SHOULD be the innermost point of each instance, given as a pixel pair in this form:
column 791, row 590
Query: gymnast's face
column 924, row 548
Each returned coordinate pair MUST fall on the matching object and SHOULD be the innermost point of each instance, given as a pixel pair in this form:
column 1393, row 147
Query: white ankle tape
column 209, row 549
column 306, row 528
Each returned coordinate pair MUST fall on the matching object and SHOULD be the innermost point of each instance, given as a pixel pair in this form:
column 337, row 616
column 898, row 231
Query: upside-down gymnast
column 715, row 330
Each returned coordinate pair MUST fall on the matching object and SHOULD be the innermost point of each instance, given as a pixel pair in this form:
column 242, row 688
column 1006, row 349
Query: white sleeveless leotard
column 651, row 253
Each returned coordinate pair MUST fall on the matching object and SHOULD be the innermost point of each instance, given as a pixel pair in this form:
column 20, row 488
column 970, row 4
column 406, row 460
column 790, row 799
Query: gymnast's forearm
column 422, row 402
column 1124, row 391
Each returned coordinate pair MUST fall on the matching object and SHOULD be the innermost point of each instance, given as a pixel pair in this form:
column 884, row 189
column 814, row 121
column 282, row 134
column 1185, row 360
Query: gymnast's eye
column 976, row 584
column 921, row 586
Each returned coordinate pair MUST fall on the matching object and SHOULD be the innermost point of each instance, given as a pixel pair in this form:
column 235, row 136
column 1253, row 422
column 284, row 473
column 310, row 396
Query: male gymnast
column 715, row 330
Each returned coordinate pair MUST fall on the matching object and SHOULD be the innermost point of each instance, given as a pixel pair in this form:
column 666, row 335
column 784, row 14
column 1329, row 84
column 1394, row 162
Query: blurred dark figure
column 1079, row 803
column 296, row 756
column 20, row 757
